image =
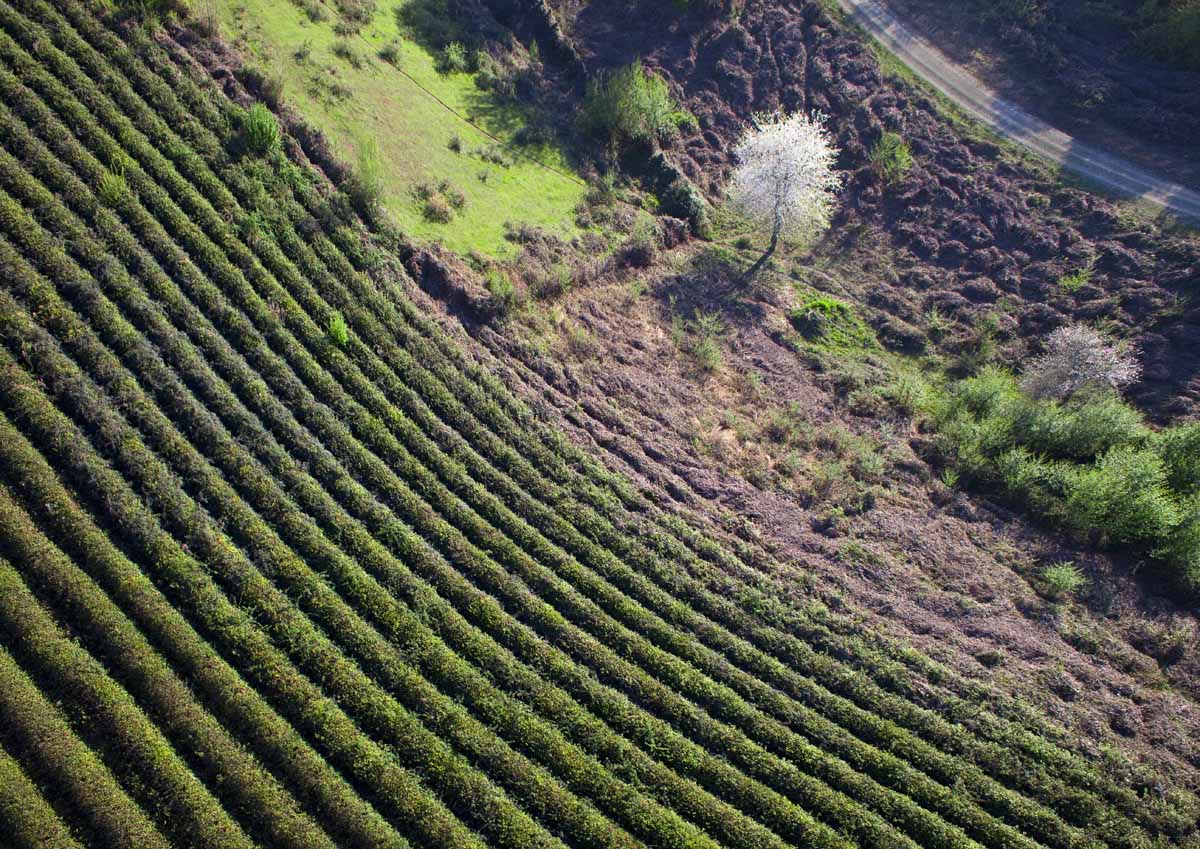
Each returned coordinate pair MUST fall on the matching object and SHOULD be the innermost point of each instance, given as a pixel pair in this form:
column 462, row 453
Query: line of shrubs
column 1088, row 463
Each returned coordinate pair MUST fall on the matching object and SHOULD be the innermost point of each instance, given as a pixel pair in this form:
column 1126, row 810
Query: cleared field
column 264, row 586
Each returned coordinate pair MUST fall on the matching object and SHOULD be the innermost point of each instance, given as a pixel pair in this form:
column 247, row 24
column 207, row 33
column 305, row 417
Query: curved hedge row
column 38, row 735
column 31, row 822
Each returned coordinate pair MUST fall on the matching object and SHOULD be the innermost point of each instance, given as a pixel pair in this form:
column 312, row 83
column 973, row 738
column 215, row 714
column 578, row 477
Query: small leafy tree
column 1078, row 358
column 784, row 181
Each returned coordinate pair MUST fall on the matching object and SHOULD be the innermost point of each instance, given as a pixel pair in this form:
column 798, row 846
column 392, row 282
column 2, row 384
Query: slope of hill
column 283, row 564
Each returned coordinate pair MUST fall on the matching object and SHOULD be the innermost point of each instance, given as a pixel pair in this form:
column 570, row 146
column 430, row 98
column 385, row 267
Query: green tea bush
column 262, row 130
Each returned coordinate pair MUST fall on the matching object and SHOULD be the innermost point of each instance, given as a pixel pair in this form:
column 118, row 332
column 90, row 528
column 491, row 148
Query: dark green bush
column 1125, row 497
column 1181, row 551
column 1179, row 448
column 1172, row 32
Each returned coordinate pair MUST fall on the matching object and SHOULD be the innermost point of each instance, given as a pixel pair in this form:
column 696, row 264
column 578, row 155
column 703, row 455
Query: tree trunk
column 770, row 251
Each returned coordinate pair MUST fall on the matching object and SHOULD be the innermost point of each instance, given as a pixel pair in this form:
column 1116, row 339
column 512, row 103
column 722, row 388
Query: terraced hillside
column 280, row 565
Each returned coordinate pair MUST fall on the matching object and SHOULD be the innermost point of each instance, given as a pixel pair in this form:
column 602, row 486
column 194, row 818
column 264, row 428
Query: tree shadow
column 713, row 282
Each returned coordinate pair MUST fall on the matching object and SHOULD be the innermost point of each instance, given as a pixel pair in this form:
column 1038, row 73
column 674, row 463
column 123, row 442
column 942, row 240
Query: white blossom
column 1076, row 358
column 784, row 180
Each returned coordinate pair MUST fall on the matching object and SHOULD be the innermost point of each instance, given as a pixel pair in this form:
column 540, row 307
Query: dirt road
column 972, row 96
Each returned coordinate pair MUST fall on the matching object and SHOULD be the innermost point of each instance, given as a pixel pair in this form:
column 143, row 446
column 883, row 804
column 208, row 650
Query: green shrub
column 502, row 290
column 390, row 53
column 343, row 49
column 1062, row 579
column 1077, row 430
column 892, row 157
column 1077, row 279
column 1088, row 463
column 337, row 330
column 1125, row 497
column 454, row 59
column 630, row 105
column 437, row 209
column 682, row 199
column 262, row 130
column 1179, row 448
column 1181, row 550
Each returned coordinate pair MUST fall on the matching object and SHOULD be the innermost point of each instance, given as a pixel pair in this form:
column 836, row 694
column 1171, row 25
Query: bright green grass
column 411, row 128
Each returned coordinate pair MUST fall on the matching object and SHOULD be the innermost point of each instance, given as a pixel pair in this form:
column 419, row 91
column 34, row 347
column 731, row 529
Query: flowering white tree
column 1076, row 358
column 784, row 180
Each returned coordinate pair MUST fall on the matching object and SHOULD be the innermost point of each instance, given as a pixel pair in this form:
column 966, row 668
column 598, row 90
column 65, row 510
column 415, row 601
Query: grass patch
column 831, row 323
column 372, row 99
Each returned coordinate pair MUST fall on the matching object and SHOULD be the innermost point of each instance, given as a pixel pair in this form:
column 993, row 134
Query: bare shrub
column 1078, row 358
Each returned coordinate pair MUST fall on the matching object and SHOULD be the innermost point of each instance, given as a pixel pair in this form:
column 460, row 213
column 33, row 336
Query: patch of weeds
column 892, row 157
column 704, row 333
column 314, row 10
column 631, row 104
column 502, row 290
column 581, row 342
column 437, row 209
column 440, row 202
column 495, row 155
column 907, row 393
column 364, row 187
column 828, row 321
column 1076, row 280
column 1062, row 579
column 113, row 187
column 455, row 144
column 454, row 59
column 390, row 53
column 854, row 553
column 344, row 50
column 937, row 323
column 337, row 330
